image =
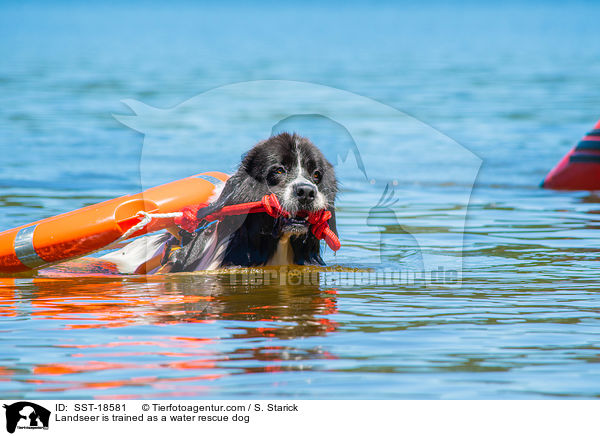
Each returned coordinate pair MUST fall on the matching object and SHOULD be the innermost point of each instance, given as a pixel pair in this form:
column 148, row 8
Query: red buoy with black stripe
column 580, row 168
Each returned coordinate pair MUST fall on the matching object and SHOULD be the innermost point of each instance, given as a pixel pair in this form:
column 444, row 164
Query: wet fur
column 254, row 239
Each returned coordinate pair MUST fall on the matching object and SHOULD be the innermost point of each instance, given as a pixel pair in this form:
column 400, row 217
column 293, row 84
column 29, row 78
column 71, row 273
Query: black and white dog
column 292, row 168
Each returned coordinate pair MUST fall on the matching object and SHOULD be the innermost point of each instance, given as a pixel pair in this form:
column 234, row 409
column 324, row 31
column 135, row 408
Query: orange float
column 92, row 228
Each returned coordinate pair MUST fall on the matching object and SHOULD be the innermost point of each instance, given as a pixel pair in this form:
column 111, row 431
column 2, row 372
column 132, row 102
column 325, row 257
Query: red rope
column 269, row 204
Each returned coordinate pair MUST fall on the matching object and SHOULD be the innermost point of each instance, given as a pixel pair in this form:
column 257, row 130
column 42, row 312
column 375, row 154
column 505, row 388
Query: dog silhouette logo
column 26, row 415
column 383, row 217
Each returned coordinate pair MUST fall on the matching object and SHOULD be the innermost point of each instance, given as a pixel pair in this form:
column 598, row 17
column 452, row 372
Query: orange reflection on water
column 65, row 368
column 8, row 305
column 181, row 365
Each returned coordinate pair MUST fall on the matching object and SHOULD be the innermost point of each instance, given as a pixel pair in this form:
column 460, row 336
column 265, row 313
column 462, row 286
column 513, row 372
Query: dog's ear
column 223, row 200
column 212, row 208
column 332, row 221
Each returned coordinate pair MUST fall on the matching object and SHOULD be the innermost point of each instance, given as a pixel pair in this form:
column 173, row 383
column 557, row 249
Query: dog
column 287, row 165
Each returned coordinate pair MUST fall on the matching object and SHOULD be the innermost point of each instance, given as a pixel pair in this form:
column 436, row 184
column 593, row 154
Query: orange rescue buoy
column 92, row 228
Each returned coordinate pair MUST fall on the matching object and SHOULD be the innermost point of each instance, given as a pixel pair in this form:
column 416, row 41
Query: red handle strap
column 269, row 204
column 320, row 227
column 188, row 220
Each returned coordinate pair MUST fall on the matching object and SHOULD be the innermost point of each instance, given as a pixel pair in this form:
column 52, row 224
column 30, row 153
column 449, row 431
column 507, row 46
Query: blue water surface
column 483, row 99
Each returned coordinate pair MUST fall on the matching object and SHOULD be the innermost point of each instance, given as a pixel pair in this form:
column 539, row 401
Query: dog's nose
column 305, row 192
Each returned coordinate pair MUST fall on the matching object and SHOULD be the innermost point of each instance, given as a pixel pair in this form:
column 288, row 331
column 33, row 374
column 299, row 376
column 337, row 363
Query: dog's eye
column 274, row 175
column 317, row 176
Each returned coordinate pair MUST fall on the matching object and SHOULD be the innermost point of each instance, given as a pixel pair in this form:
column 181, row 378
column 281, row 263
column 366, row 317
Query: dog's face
column 297, row 172
column 292, row 168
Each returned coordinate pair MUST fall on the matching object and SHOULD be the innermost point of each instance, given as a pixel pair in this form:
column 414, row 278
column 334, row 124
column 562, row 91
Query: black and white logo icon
column 26, row 415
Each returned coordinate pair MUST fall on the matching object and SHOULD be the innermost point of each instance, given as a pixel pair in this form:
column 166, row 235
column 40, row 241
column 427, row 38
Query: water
column 513, row 85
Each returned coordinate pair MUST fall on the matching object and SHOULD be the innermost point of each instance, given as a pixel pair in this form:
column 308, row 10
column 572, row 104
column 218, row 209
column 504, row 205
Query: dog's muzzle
column 305, row 193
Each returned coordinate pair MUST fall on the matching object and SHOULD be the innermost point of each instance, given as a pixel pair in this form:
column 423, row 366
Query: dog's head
column 295, row 170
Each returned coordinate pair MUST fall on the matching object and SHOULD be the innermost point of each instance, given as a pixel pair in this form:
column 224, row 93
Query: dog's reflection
column 283, row 302
column 211, row 326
